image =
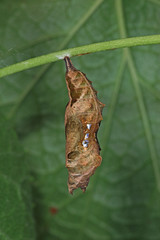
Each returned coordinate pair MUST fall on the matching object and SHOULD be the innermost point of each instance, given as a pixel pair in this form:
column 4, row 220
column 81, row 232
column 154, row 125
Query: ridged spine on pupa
column 82, row 119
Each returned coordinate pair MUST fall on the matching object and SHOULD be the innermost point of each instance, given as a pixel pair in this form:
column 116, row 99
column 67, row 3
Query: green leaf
column 122, row 199
column 16, row 218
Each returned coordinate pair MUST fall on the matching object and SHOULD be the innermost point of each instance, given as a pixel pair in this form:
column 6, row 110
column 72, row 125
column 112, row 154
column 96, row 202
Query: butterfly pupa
column 82, row 119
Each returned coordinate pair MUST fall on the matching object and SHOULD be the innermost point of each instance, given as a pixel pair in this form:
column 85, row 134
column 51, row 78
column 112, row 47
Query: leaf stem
column 90, row 48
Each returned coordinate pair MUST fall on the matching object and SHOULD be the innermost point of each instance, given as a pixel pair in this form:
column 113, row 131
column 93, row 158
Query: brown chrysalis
column 82, row 119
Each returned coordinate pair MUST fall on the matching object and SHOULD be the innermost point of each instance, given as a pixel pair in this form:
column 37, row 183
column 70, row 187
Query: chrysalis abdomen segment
column 82, row 118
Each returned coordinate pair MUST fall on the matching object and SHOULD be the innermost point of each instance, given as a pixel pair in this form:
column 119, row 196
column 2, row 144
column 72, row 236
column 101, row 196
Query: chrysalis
column 82, row 119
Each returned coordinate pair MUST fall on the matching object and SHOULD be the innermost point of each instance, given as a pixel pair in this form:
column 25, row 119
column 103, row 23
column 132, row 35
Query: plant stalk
column 86, row 49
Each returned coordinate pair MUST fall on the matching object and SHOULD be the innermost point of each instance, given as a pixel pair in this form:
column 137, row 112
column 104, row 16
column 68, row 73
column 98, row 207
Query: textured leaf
column 16, row 218
column 122, row 199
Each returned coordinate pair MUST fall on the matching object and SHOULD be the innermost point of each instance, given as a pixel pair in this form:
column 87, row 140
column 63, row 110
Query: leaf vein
column 141, row 104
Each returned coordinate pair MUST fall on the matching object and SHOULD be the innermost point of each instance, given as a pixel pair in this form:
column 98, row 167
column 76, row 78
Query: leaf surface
column 16, row 218
column 122, row 199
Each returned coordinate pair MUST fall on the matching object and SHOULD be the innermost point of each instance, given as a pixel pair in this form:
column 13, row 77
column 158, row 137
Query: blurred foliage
column 122, row 199
column 16, row 218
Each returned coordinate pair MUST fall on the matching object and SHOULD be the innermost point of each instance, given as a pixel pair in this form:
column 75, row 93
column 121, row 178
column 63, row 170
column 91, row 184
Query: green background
column 122, row 199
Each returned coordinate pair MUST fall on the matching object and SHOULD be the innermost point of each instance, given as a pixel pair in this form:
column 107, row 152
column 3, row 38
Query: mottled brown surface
column 82, row 118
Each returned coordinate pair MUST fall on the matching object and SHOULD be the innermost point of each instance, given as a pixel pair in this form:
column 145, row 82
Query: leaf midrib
column 140, row 100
